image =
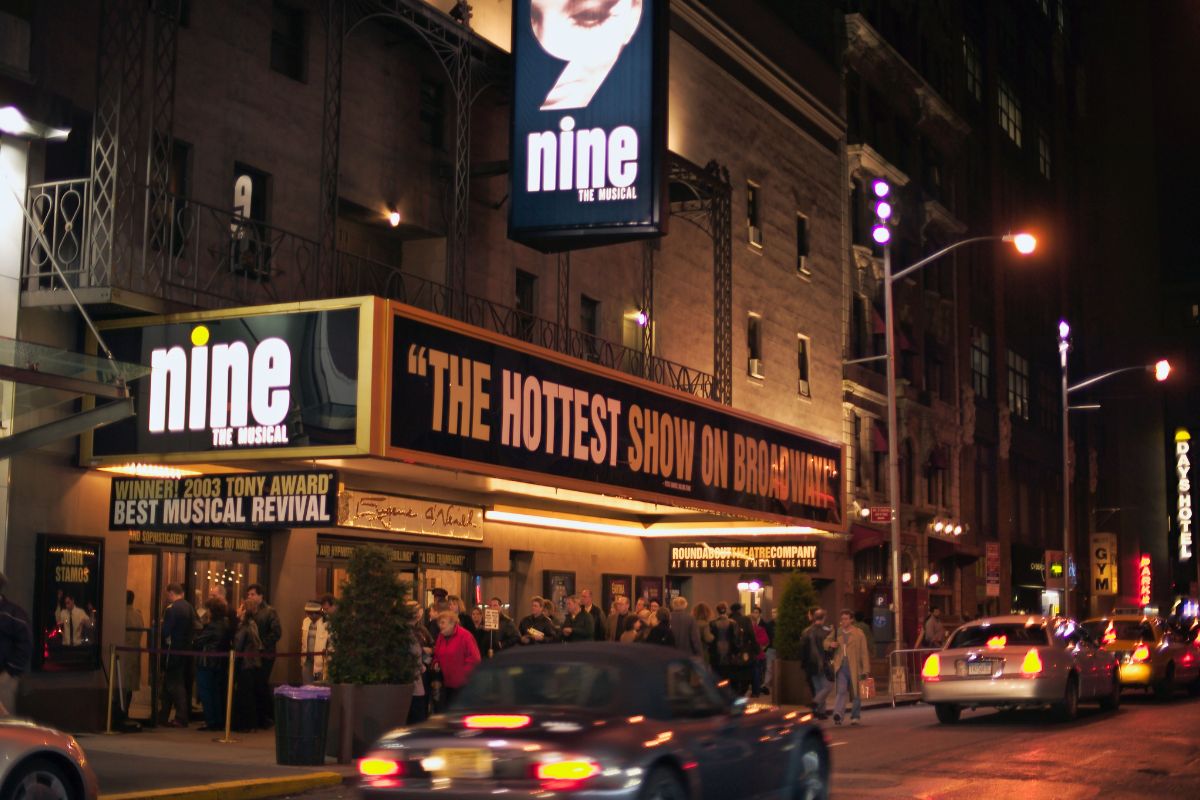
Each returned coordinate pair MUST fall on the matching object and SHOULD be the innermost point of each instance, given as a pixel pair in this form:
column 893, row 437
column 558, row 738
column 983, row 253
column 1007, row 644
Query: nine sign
column 589, row 122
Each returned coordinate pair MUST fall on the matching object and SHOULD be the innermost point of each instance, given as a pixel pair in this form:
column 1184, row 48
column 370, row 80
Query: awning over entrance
column 940, row 549
column 864, row 536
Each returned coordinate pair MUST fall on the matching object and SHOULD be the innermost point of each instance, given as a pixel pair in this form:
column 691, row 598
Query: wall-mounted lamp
column 393, row 217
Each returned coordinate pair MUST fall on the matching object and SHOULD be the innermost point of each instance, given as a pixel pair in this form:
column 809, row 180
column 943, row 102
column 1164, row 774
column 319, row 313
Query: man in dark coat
column 579, row 625
column 684, row 628
column 178, row 625
column 16, row 648
column 507, row 636
column 616, row 621
column 266, row 619
column 537, row 628
column 599, row 623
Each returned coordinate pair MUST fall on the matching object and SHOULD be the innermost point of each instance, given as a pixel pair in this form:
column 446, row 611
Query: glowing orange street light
column 1025, row 243
column 1162, row 370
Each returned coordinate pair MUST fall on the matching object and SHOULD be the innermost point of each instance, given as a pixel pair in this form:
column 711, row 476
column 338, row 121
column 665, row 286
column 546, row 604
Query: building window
column 972, row 69
column 933, row 371
column 251, row 246
column 1049, row 395
column 754, row 214
column 1010, row 112
column 432, row 113
column 1018, row 386
column 981, row 364
column 907, row 476
column 589, row 323
column 802, row 346
column 524, row 302
column 754, row 344
column 802, row 266
column 1044, row 153
column 935, row 486
column 288, row 40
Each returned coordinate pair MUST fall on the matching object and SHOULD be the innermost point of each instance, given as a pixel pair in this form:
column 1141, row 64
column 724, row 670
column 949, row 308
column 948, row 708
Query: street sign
column 992, row 567
column 881, row 514
column 491, row 619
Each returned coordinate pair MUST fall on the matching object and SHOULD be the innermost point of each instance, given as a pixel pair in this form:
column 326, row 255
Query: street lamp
column 1024, row 243
column 1161, row 370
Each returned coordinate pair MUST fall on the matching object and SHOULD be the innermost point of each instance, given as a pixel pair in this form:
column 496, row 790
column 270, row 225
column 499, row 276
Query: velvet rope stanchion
column 227, row 739
column 112, row 667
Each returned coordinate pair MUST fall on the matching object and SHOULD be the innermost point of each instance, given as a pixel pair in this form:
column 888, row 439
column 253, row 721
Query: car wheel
column 947, row 713
column 812, row 775
column 1113, row 701
column 1068, row 709
column 662, row 784
column 39, row 779
column 1164, row 688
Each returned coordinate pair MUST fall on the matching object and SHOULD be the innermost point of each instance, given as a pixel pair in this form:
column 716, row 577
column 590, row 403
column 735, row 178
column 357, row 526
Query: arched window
column 907, row 474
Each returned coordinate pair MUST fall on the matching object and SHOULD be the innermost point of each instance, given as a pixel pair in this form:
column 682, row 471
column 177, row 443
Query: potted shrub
column 791, row 619
column 372, row 666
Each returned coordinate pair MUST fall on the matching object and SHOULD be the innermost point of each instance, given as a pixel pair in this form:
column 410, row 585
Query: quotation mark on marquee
column 418, row 360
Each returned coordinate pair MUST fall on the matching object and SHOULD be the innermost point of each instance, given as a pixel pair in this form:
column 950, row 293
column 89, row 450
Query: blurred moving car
column 599, row 720
column 1151, row 656
column 38, row 763
column 1020, row 662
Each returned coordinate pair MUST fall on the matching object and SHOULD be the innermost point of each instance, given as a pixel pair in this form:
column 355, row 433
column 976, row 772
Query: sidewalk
column 179, row 763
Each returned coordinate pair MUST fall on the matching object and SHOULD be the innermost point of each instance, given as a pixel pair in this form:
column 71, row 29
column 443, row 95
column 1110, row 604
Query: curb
column 251, row 789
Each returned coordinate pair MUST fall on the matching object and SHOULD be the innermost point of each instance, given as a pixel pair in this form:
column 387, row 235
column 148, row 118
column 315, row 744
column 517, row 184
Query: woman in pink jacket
column 455, row 654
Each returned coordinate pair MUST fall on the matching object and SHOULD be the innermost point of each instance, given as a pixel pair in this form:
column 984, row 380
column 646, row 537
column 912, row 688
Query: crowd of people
column 452, row 640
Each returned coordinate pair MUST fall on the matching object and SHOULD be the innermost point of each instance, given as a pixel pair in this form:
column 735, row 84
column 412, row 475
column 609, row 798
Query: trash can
column 301, row 717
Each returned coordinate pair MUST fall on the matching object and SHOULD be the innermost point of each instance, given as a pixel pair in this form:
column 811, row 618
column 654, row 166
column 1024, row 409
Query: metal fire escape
column 451, row 40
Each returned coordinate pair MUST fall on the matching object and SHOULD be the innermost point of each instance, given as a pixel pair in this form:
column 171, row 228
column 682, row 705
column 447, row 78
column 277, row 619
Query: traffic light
column 881, row 205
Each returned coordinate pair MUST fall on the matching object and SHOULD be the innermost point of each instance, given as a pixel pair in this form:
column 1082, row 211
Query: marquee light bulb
column 881, row 188
column 938, row 526
column 934, row 578
column 883, row 209
column 881, row 234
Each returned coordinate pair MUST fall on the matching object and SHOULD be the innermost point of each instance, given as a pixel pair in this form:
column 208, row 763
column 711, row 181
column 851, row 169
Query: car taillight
column 577, row 770
column 1032, row 663
column 379, row 767
column 506, row 722
column 1188, row 659
column 933, row 666
column 1140, row 653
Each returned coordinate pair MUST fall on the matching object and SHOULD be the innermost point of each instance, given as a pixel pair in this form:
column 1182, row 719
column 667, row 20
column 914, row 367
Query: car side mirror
column 738, row 707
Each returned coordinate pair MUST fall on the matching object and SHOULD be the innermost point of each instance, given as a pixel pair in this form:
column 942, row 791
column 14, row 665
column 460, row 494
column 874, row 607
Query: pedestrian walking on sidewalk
column 16, row 648
column 455, row 654
column 933, row 632
column 178, row 626
column 266, row 620
column 851, row 664
column 816, row 662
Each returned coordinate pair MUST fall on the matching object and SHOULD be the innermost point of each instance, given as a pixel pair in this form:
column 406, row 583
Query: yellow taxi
column 1150, row 654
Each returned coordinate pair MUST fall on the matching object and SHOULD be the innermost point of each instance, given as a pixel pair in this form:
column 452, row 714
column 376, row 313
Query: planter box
column 359, row 715
column 791, row 684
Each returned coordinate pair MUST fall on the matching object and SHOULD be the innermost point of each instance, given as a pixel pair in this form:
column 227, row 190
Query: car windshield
column 575, row 684
column 1122, row 629
column 1013, row 634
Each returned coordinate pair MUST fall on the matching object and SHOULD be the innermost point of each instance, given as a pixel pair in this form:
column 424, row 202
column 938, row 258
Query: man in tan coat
column 851, row 664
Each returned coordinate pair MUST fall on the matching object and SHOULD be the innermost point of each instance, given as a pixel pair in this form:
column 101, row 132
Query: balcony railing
column 482, row 313
column 196, row 255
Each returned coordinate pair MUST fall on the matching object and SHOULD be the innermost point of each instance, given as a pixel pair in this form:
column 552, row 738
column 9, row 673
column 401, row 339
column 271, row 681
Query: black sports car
column 599, row 720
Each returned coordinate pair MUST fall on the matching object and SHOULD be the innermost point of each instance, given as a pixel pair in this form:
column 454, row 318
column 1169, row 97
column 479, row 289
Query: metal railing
column 904, row 672
column 198, row 255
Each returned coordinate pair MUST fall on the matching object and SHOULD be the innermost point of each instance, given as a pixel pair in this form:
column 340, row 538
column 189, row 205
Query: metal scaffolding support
column 115, row 136
column 564, row 299
column 703, row 197
column 158, row 223
column 331, row 133
column 449, row 37
column 648, row 250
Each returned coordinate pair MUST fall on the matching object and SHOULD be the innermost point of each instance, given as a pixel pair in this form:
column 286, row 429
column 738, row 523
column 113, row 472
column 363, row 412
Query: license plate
column 979, row 668
column 463, row 763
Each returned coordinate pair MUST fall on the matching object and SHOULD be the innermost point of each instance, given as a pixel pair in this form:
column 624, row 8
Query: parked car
column 1020, row 662
column 599, row 720
column 38, row 763
column 1151, row 656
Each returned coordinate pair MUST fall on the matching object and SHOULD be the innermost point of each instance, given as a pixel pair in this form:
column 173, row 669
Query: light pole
column 1161, row 370
column 1025, row 244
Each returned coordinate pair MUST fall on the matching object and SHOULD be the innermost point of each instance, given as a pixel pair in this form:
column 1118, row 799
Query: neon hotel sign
column 1183, row 511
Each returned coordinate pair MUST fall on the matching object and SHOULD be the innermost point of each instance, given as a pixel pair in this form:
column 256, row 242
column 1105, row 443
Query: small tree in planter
column 372, row 666
column 791, row 619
